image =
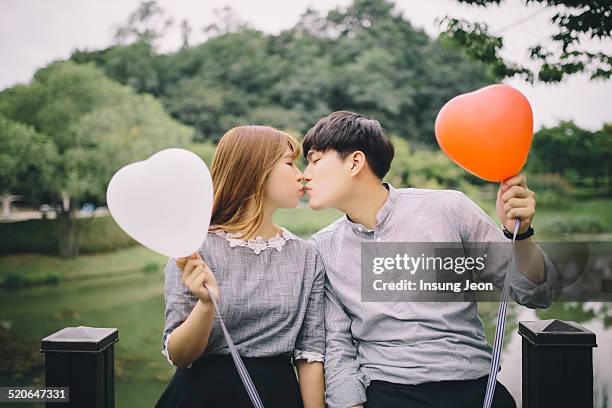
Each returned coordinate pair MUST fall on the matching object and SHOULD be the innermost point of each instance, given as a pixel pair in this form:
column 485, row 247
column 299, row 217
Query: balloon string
column 499, row 333
column 242, row 371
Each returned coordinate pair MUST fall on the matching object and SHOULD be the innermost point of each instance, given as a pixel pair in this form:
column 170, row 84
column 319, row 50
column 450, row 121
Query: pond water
column 134, row 304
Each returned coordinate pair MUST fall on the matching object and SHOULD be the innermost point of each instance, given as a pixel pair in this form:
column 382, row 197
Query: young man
column 406, row 354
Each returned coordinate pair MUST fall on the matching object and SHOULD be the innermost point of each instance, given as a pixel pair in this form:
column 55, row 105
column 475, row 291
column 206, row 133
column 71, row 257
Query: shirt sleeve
column 310, row 342
column 179, row 303
column 345, row 384
column 477, row 227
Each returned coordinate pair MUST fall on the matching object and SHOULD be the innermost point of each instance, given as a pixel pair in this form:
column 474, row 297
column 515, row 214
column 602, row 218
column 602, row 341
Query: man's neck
column 364, row 204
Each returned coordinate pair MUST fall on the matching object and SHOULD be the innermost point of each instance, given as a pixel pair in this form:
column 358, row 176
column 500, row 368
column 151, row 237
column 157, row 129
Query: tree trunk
column 69, row 234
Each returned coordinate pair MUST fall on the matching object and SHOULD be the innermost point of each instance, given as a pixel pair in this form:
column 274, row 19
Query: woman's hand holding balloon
column 196, row 274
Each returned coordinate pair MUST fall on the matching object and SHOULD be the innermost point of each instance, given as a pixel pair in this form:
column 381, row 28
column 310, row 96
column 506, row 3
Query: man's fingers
column 518, row 203
column 519, row 180
column 516, row 191
column 522, row 213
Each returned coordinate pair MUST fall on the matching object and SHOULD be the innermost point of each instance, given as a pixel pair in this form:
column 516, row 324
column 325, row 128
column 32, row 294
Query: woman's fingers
column 201, row 276
column 196, row 274
column 190, row 265
column 182, row 262
column 198, row 281
column 197, row 271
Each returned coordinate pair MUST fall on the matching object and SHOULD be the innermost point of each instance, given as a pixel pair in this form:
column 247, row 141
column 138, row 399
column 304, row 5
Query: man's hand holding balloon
column 489, row 132
column 515, row 200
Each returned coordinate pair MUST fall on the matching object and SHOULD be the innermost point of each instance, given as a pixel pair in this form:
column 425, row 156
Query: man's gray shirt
column 408, row 342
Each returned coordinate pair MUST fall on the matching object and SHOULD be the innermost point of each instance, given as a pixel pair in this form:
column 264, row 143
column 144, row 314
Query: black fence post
column 557, row 364
column 82, row 358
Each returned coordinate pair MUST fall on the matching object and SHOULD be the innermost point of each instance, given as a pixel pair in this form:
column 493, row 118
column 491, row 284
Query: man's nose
column 306, row 176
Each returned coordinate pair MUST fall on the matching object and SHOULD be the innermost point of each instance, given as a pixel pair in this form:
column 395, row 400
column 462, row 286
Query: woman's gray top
column 271, row 296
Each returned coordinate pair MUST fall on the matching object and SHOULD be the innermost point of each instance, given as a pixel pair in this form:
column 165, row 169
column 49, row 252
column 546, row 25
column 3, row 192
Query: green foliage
column 304, row 222
column 131, row 65
column 205, row 150
column 365, row 57
column 574, row 21
column 151, row 267
column 425, row 168
column 16, row 280
column 86, row 125
column 577, row 224
column 99, row 234
column 552, row 190
column 574, row 153
column 145, row 24
column 27, row 160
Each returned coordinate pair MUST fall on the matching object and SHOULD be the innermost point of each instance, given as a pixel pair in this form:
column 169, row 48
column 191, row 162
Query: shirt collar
column 382, row 213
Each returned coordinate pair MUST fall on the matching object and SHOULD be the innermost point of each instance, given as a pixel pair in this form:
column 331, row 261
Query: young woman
column 268, row 282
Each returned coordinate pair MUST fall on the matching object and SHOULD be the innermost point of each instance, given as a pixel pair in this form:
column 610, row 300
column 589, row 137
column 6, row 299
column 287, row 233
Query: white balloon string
column 499, row 333
column 242, row 371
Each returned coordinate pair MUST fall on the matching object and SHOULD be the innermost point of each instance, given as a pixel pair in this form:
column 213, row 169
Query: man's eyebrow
column 310, row 153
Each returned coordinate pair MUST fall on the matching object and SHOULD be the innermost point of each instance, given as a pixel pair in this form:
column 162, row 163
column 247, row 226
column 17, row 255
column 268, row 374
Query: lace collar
column 258, row 244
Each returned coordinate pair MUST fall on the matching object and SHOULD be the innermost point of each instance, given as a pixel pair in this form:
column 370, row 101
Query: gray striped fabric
column 272, row 297
column 408, row 342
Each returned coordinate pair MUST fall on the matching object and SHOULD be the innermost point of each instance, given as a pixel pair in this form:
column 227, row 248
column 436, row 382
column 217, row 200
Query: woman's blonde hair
column 242, row 164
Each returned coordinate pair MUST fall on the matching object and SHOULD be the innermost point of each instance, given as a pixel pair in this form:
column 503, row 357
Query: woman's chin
column 291, row 204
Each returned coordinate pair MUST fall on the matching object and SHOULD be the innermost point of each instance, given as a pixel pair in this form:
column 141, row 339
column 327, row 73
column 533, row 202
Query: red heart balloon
column 488, row 132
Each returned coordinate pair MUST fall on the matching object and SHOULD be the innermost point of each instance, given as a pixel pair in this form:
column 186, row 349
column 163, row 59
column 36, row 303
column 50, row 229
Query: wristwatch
column 519, row 237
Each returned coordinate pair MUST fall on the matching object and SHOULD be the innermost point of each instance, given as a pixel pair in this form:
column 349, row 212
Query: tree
column 574, row 21
column 603, row 141
column 28, row 161
column 93, row 124
column 365, row 57
column 185, row 33
column 576, row 154
column 147, row 23
column 132, row 65
column 226, row 21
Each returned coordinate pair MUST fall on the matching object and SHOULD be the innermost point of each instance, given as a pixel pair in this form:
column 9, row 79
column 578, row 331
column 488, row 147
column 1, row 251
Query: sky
column 34, row 33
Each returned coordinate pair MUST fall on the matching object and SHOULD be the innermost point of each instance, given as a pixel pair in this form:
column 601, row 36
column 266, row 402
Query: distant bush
column 573, row 225
column 16, row 280
column 552, row 190
column 151, row 267
column 98, row 234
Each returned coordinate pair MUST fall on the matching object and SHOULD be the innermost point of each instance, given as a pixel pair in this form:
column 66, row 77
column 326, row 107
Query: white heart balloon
column 164, row 202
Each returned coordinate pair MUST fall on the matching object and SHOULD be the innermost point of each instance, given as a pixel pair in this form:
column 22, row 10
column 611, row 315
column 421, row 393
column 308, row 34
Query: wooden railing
column 557, row 365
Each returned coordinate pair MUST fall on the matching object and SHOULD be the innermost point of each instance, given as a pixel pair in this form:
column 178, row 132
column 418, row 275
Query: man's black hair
column 346, row 132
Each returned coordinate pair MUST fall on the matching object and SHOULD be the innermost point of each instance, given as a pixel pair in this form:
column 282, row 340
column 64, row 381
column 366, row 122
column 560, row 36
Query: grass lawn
column 131, row 259
column 304, row 221
column 599, row 208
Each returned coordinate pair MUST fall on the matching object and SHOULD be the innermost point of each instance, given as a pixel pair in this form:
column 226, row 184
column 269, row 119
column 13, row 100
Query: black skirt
column 213, row 381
